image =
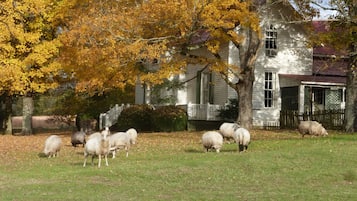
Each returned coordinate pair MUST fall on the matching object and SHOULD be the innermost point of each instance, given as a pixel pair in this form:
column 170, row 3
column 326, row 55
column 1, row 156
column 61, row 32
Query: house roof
column 328, row 60
column 315, row 78
column 329, row 67
column 320, row 27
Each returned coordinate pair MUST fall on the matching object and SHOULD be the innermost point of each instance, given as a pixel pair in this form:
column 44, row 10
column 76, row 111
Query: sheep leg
column 114, row 153
column 100, row 159
column 241, row 147
column 127, row 151
column 106, row 159
column 85, row 160
column 92, row 159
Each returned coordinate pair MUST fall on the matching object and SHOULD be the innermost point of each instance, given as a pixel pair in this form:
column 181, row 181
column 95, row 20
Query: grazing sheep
column 120, row 140
column 212, row 140
column 227, row 130
column 52, row 146
column 98, row 147
column 242, row 138
column 95, row 135
column 133, row 135
column 311, row 128
column 78, row 137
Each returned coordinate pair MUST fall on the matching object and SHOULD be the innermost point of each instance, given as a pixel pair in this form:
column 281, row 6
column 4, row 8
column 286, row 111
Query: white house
column 285, row 74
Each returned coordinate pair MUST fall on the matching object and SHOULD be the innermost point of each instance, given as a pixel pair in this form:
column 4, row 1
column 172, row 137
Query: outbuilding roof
column 315, row 78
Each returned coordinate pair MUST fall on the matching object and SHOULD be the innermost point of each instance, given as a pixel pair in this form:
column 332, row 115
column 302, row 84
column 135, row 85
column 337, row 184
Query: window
column 319, row 95
column 271, row 36
column 268, row 89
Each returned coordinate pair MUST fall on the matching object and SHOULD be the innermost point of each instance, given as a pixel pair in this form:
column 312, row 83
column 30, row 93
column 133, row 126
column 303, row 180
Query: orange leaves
column 228, row 14
column 28, row 47
column 150, row 39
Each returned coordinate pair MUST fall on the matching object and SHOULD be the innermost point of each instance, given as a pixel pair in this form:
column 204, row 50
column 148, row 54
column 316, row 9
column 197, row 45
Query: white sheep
column 98, row 147
column 95, row 135
column 212, row 140
column 78, row 137
column 227, row 130
column 133, row 135
column 311, row 128
column 242, row 138
column 52, row 146
column 120, row 140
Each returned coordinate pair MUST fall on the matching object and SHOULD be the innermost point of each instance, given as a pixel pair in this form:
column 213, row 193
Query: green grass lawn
column 279, row 165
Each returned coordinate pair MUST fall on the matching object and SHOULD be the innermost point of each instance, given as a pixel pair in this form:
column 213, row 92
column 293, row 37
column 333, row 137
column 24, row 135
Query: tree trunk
column 244, row 88
column 351, row 95
column 27, row 112
column 245, row 94
column 8, row 115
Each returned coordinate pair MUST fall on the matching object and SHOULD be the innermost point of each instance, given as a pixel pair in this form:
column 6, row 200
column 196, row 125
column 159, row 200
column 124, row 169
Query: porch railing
column 207, row 112
column 110, row 117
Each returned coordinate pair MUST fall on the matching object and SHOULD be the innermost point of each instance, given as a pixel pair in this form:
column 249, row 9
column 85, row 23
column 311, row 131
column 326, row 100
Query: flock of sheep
column 213, row 140
column 99, row 144
column 103, row 143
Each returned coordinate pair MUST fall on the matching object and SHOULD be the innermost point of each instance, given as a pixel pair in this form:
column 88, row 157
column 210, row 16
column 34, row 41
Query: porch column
column 301, row 98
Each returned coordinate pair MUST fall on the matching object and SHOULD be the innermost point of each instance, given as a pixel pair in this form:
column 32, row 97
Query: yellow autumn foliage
column 113, row 43
column 28, row 47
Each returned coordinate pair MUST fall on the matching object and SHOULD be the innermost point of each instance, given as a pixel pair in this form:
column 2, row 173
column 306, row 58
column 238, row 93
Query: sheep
column 133, row 135
column 120, row 140
column 78, row 137
column 212, row 140
column 98, row 146
column 242, row 138
column 227, row 130
column 52, row 146
column 311, row 128
column 95, row 135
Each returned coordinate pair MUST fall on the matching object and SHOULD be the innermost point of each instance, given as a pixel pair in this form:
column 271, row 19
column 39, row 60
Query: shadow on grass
column 42, row 155
column 204, row 151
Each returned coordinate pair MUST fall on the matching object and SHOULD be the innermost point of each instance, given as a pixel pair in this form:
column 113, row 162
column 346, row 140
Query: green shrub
column 136, row 116
column 230, row 113
column 169, row 118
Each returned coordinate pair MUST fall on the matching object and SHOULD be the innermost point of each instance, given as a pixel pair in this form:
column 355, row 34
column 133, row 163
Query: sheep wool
column 52, row 146
column 78, row 137
column 95, row 135
column 311, row 128
column 212, row 140
column 98, row 147
column 120, row 140
column 227, row 130
column 242, row 138
column 133, row 135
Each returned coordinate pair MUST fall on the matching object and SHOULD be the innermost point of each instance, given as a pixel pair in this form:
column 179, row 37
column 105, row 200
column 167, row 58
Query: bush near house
column 169, row 118
column 230, row 113
column 135, row 116
column 146, row 118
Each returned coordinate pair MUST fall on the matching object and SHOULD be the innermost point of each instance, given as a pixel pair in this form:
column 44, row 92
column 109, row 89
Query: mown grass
column 279, row 165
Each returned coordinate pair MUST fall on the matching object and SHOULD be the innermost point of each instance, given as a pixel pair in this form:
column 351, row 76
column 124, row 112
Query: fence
column 330, row 119
column 111, row 117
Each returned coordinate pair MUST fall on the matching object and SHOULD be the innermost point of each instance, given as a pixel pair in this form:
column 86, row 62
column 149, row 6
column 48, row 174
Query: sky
column 325, row 14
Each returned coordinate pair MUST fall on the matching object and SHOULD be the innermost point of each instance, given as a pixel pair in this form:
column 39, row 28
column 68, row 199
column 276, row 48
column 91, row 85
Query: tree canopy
column 109, row 43
column 28, row 46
